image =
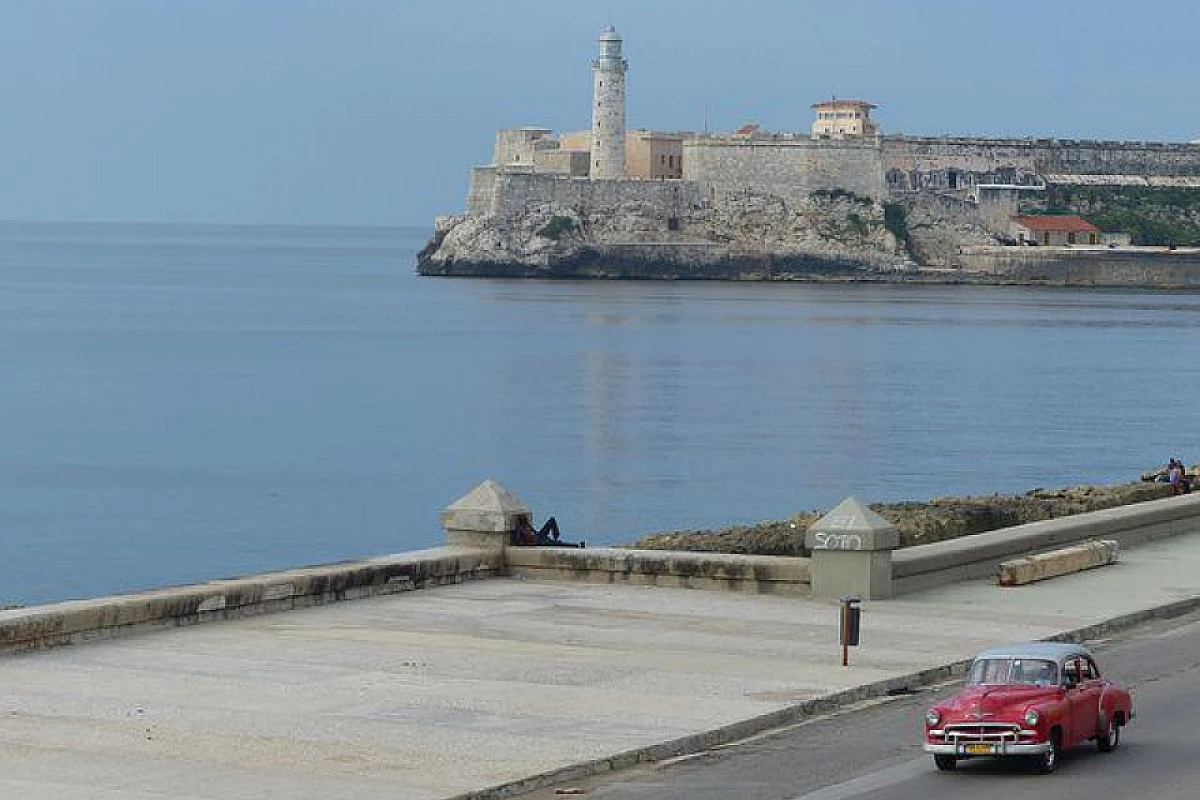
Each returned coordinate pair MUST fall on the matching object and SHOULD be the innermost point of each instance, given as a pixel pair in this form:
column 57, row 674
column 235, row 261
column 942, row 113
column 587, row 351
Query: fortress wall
column 516, row 193
column 481, row 193
column 914, row 162
column 788, row 168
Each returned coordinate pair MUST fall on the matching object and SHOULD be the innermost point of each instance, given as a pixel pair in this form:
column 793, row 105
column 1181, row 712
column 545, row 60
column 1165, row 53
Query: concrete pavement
column 438, row 692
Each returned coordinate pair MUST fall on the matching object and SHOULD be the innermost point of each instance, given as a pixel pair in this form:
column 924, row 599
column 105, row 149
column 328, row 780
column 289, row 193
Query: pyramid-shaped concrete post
column 851, row 550
column 483, row 518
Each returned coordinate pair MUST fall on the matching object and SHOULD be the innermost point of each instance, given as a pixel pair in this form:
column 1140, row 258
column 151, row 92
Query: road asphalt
column 447, row 691
column 874, row 752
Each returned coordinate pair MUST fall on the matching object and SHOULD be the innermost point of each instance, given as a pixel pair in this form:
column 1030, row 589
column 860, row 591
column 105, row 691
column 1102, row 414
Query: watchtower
column 608, row 108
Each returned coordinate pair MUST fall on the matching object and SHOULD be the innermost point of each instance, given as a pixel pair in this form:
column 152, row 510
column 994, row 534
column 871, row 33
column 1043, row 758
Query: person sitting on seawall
column 525, row 535
column 1178, row 478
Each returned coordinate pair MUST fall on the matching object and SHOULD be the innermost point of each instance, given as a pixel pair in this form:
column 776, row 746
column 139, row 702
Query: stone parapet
column 84, row 620
column 677, row 569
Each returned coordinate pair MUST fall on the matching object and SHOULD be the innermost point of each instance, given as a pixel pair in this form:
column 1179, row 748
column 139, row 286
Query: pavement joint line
column 808, row 710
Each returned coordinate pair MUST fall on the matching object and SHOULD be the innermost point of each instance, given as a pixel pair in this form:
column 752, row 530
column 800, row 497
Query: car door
column 1091, row 688
column 1075, row 701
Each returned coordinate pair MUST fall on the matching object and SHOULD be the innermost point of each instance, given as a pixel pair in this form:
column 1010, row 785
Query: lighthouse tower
column 608, row 108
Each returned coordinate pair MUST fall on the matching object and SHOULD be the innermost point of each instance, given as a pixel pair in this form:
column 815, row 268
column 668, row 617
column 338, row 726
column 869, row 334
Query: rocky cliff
column 826, row 234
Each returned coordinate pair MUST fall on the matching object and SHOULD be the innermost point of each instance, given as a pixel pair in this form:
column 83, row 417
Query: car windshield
column 1000, row 671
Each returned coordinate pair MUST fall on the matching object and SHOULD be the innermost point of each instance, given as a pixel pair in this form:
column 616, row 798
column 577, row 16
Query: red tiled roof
column 1067, row 223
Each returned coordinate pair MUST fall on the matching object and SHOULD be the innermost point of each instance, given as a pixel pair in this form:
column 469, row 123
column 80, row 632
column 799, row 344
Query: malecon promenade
column 459, row 671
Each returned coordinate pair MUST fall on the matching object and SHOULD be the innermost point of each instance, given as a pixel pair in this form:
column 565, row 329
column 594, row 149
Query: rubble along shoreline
column 934, row 520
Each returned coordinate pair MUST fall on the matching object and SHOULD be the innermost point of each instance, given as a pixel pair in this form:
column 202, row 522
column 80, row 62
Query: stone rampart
column 945, row 162
column 790, row 168
column 515, row 194
column 482, row 192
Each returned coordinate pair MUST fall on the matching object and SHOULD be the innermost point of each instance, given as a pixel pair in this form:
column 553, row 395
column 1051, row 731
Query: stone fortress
column 834, row 200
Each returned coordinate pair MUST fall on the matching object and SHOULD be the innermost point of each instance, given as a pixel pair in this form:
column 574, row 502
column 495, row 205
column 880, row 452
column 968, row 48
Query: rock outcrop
column 939, row 225
column 748, row 236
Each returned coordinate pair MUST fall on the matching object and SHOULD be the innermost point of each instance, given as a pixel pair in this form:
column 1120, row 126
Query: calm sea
column 189, row 402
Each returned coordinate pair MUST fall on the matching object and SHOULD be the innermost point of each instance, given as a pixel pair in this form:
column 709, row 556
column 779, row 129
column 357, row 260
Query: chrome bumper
column 998, row 749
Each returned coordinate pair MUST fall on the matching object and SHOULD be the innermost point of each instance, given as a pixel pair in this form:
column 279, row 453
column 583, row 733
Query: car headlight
column 1032, row 717
column 932, row 717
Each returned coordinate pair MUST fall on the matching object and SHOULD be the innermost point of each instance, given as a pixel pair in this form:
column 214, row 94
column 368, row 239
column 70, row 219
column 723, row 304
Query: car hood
column 984, row 702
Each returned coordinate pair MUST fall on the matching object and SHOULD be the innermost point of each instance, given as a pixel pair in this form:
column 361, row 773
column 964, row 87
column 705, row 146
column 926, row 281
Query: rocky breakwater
column 826, row 235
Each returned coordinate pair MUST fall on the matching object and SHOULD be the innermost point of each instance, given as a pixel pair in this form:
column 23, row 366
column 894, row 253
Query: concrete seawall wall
column 913, row 568
column 84, row 620
column 1140, row 267
column 677, row 569
column 979, row 556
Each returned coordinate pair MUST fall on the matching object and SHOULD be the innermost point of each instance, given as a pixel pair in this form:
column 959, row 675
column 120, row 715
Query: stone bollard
column 851, row 550
column 483, row 518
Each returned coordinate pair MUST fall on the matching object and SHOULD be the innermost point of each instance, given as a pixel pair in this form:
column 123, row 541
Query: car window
column 989, row 671
column 1090, row 672
column 1001, row 671
column 1034, row 672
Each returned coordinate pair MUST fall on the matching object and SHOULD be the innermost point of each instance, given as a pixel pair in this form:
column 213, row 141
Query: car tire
column 945, row 763
column 1045, row 763
column 1108, row 741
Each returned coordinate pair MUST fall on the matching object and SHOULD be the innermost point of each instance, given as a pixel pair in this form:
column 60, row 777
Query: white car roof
column 1051, row 651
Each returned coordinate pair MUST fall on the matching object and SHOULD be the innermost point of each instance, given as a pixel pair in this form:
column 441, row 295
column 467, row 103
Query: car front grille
column 992, row 732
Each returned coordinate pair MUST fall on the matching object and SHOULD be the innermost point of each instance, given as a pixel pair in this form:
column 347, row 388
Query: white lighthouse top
column 610, row 59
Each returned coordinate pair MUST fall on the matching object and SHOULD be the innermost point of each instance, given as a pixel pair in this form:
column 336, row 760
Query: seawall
column 912, row 569
column 1156, row 267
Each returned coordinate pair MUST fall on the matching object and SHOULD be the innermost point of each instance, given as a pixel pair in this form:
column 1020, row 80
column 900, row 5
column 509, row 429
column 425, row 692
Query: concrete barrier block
column 1020, row 571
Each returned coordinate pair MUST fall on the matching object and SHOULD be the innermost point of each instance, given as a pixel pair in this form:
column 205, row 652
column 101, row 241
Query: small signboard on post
column 851, row 626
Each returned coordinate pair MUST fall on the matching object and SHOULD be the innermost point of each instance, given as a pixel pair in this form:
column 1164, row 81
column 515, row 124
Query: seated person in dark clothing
column 548, row 536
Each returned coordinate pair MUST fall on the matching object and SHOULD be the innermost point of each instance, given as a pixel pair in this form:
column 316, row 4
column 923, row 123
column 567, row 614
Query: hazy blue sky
column 372, row 111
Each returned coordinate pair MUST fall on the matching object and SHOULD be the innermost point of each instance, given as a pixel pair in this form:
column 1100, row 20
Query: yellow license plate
column 979, row 749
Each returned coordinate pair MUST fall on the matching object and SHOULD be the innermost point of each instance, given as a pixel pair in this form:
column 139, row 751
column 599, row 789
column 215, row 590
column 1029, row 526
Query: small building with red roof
column 1055, row 230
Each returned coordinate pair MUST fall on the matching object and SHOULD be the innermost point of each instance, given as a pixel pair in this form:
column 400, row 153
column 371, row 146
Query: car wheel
column 1110, row 738
column 1047, row 762
column 944, row 762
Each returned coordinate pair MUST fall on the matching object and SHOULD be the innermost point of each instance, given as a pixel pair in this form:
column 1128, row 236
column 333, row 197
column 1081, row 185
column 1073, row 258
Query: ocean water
column 190, row 402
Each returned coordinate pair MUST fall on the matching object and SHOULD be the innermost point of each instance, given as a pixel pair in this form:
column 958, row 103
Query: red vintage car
column 1031, row 700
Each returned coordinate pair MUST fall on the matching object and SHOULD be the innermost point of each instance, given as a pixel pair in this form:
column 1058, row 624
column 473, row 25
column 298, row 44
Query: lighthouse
column 608, row 108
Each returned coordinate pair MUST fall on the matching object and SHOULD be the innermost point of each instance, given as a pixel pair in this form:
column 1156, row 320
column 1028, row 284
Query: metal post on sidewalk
column 851, row 624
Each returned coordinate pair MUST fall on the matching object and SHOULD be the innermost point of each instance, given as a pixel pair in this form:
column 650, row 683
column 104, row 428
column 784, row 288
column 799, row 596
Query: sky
column 371, row 112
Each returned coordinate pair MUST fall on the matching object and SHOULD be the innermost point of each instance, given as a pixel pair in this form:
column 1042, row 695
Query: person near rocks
column 1177, row 477
column 525, row 535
